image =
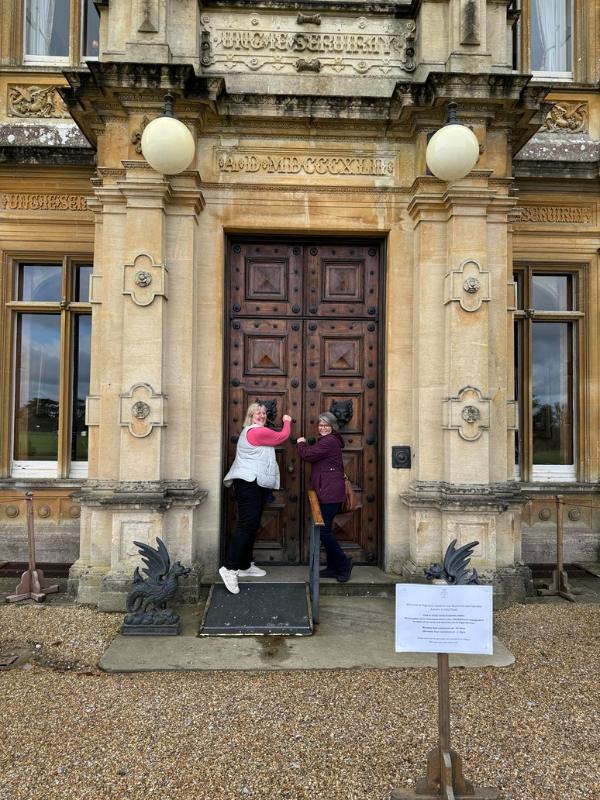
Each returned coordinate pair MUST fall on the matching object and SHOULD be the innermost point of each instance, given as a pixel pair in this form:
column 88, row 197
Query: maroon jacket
column 327, row 476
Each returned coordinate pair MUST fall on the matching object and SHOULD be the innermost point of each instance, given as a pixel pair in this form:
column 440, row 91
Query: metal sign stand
column 32, row 584
column 560, row 579
column 444, row 777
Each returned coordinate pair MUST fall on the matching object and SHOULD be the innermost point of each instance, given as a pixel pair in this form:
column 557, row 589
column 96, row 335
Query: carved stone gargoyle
column 147, row 612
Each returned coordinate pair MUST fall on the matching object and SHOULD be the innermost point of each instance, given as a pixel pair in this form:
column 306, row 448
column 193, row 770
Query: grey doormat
column 273, row 609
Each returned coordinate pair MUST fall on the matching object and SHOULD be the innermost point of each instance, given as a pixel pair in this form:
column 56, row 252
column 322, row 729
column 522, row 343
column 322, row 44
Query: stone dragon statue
column 455, row 568
column 147, row 599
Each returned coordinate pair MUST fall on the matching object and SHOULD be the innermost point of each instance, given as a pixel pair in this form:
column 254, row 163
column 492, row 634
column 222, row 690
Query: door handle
column 290, row 469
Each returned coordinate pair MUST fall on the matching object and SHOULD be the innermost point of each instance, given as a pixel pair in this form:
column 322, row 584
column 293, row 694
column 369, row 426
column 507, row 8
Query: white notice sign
column 443, row 619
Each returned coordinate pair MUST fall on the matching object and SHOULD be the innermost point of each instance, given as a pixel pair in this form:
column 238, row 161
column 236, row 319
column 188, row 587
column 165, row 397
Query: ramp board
column 273, row 609
column 593, row 567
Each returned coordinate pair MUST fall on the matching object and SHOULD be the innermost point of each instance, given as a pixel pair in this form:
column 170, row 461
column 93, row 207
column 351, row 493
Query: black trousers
column 336, row 558
column 250, row 498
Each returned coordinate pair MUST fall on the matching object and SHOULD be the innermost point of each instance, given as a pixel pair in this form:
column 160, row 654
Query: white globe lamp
column 453, row 151
column 167, row 144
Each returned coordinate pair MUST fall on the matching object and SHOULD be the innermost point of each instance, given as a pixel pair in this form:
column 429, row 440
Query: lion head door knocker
column 342, row 410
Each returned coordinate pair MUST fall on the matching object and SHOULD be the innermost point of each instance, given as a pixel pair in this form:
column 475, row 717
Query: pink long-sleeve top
column 265, row 437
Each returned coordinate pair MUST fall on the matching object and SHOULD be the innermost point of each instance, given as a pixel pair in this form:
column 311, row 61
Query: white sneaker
column 253, row 571
column 230, row 579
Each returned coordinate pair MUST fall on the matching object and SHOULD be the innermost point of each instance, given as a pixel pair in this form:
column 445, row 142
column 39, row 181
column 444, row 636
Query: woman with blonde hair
column 254, row 474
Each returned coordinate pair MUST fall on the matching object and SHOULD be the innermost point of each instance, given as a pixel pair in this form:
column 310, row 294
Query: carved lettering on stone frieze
column 36, row 101
column 343, row 45
column 300, row 163
column 567, row 215
column 42, row 202
column 567, row 117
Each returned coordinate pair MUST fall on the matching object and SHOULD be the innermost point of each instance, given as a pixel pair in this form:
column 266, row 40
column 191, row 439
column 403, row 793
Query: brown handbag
column 351, row 501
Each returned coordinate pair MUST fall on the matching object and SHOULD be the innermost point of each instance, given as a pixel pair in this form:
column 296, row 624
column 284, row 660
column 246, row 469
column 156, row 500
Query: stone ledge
column 158, row 495
column 445, row 496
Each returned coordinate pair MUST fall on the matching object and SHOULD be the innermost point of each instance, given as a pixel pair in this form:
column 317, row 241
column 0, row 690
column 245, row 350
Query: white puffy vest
column 254, row 463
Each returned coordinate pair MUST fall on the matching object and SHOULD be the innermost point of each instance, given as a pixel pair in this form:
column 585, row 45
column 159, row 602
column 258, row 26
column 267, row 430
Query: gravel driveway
column 70, row 731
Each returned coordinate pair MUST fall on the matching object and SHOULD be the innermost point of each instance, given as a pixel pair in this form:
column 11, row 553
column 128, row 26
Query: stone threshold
column 354, row 633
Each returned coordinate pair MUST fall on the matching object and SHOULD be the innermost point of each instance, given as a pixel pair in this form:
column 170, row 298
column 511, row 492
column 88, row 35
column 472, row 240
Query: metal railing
column 317, row 523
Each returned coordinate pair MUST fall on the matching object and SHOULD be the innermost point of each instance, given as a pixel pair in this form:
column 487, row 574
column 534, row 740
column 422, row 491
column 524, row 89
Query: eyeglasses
column 324, row 425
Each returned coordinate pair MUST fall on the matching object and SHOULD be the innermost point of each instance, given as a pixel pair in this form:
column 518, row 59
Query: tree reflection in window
column 38, row 378
column 552, row 406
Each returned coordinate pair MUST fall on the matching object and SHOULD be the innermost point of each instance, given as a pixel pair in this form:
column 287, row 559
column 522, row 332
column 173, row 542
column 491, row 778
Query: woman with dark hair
column 254, row 475
column 327, row 479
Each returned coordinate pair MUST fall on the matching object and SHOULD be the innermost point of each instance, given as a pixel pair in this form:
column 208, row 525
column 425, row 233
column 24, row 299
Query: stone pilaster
column 141, row 483
column 463, row 401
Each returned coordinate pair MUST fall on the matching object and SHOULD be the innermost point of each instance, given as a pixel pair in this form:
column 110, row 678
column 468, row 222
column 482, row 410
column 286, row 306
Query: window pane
column 551, row 36
column 37, row 385
column 552, row 292
column 82, row 327
column 40, row 282
column 91, row 27
column 81, row 289
column 553, row 393
column 47, row 28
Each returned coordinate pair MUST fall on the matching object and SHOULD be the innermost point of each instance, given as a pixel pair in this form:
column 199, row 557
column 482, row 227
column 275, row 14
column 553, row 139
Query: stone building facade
column 306, row 257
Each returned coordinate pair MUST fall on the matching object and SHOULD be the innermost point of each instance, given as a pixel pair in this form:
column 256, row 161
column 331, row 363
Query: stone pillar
column 140, row 410
column 463, row 406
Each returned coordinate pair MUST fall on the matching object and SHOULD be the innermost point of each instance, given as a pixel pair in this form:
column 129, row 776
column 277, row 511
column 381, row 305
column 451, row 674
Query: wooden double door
column 304, row 337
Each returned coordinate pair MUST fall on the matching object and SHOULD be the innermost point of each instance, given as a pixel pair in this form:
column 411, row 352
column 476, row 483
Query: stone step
column 365, row 581
column 593, row 567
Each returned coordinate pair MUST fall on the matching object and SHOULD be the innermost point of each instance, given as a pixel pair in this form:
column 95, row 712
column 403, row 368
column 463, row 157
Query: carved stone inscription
column 569, row 215
column 42, row 202
column 302, row 163
column 344, row 45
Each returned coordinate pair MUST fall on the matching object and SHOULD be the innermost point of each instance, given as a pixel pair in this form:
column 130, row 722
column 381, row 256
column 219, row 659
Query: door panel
column 265, row 364
column 304, row 335
column 341, row 377
column 266, row 279
column 342, row 280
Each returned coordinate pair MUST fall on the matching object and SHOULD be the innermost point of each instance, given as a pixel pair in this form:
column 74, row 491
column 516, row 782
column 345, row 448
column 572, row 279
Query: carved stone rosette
column 143, row 280
column 469, row 285
column 142, row 409
column 468, row 413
